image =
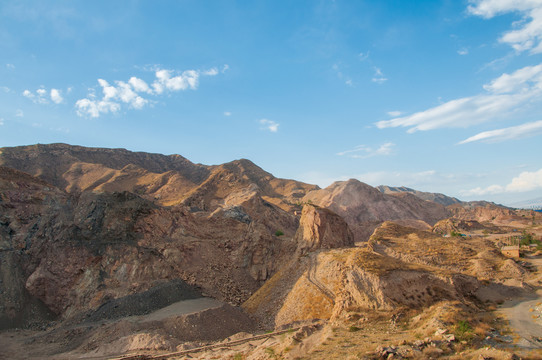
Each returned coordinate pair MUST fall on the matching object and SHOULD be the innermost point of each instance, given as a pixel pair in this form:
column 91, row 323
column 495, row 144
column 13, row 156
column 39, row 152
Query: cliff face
column 320, row 228
column 69, row 254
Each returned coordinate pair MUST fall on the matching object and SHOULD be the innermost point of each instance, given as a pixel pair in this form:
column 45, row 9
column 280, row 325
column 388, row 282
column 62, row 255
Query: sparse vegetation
column 463, row 330
column 279, row 233
column 271, row 353
column 353, row 328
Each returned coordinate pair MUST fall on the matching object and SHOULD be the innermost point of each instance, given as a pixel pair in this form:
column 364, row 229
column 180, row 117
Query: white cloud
column 139, row 85
column 10, row 66
column 19, row 113
column 463, row 51
column 93, row 108
column 394, row 113
column 1, row 121
column 227, row 113
column 38, row 98
column 165, row 81
column 211, row 72
column 378, row 76
column 131, row 92
column 519, row 81
column 363, row 151
column 509, row 133
column 5, row 89
column 56, row 97
column 527, row 34
column 526, row 181
column 504, row 95
column 225, row 68
column 269, row 125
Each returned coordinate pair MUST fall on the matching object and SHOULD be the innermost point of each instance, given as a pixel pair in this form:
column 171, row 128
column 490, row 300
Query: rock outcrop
column 321, row 228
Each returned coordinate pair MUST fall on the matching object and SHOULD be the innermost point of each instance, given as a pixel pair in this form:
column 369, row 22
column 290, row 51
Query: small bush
column 463, row 330
column 353, row 328
column 279, row 233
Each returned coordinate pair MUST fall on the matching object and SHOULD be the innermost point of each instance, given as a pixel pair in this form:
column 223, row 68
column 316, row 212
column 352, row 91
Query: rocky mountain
column 71, row 253
column 435, row 197
column 166, row 180
column 365, row 207
column 89, row 237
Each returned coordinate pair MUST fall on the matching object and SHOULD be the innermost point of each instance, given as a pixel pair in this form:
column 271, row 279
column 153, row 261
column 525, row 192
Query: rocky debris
column 144, row 302
column 320, row 228
column 237, row 213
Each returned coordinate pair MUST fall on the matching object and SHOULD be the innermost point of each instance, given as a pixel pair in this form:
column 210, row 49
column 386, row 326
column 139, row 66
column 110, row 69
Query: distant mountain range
column 535, row 204
column 435, row 197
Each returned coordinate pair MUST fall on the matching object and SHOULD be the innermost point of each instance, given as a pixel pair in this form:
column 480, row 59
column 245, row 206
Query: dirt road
column 525, row 316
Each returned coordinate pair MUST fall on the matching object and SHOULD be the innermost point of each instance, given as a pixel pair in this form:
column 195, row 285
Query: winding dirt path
column 525, row 316
column 311, row 277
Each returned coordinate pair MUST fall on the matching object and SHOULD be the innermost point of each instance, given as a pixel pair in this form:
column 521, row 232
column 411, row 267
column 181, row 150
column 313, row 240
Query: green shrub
column 279, row 233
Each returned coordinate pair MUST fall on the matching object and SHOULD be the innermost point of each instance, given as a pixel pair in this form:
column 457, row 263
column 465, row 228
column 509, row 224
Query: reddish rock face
column 321, row 228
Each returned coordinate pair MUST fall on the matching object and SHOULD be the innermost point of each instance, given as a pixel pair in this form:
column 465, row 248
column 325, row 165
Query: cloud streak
column 509, row 133
column 504, row 95
column 364, row 152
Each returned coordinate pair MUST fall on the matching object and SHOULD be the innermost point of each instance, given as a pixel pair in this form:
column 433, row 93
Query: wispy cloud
column 269, row 125
column 378, row 76
column 347, row 80
column 509, row 133
column 363, row 56
column 364, row 152
column 132, row 92
column 1, row 121
column 526, row 181
column 527, row 34
column 19, row 113
column 395, row 113
column 503, row 95
column 227, row 113
column 463, row 51
column 10, row 66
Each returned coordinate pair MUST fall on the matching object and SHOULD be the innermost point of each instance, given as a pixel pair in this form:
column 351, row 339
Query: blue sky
column 441, row 96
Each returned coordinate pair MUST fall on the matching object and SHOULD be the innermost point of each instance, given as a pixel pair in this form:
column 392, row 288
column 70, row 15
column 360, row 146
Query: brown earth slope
column 364, row 207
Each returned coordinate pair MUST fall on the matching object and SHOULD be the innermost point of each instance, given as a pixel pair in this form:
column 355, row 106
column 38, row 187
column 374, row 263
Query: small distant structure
column 511, row 251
